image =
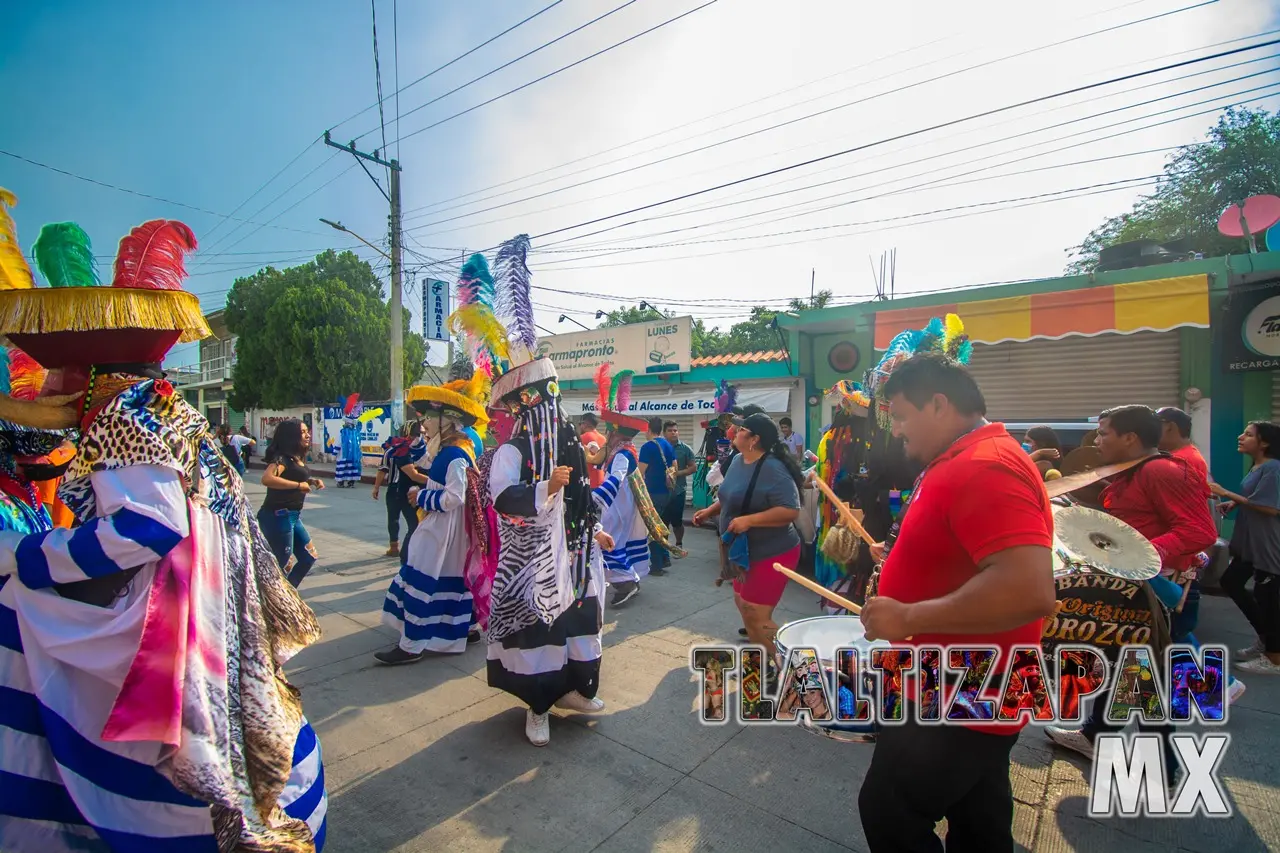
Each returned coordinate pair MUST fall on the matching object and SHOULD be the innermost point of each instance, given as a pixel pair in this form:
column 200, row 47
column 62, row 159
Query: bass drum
column 825, row 634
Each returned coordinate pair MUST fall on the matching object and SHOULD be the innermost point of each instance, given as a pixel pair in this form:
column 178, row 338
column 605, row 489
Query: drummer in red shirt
column 970, row 565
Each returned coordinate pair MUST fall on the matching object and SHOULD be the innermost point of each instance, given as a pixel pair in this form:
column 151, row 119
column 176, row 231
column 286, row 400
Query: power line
column 796, row 120
column 377, row 73
column 447, row 64
column 563, row 68
column 268, row 183
column 907, row 135
column 395, row 49
column 141, row 194
column 490, row 73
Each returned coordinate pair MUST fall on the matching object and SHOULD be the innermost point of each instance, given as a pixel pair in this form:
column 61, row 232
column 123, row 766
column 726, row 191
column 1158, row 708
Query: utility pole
column 397, row 264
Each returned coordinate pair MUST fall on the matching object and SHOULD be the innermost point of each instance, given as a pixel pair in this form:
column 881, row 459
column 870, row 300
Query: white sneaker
column 1072, row 739
column 1259, row 666
column 1234, row 690
column 537, row 728
column 1254, row 651
column 575, row 701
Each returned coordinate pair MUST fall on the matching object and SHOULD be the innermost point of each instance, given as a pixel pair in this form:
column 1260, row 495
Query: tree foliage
column 314, row 333
column 751, row 335
column 1240, row 158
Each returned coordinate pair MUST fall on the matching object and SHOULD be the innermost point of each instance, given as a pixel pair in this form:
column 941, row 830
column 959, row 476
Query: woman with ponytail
column 757, row 503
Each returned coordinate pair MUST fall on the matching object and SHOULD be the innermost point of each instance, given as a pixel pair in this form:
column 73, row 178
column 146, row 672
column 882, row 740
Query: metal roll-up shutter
column 1275, row 396
column 1077, row 377
column 235, row 419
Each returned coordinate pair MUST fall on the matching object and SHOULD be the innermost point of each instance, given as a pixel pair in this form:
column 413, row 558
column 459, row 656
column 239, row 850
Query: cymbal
column 1080, row 459
column 1104, row 543
column 1063, row 485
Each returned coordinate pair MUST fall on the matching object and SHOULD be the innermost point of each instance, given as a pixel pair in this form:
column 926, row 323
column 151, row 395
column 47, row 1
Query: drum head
column 825, row 634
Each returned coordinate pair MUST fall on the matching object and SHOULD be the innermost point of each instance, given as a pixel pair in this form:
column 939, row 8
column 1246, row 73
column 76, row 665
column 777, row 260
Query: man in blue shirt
column 657, row 457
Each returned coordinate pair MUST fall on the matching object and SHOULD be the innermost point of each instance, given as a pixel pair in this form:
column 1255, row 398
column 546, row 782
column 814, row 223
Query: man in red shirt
column 1175, row 439
column 589, row 436
column 1165, row 499
column 970, row 565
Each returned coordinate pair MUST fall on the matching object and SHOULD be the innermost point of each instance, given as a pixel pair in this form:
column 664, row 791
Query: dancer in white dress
column 429, row 601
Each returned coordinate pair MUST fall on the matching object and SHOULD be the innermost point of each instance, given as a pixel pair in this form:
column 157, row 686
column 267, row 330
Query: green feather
column 65, row 258
column 613, row 388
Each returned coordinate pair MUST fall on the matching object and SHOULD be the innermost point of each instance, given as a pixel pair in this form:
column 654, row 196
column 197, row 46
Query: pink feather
column 603, row 382
column 624, row 394
column 150, row 257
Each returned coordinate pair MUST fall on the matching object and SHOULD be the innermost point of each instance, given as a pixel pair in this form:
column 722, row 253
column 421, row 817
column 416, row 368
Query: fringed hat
column 849, row 398
column 463, row 399
column 27, row 427
column 614, row 398
column 77, row 322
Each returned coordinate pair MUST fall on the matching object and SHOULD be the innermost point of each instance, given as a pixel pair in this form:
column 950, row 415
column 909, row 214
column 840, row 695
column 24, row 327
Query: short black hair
column 666, row 425
column 925, row 374
column 1178, row 418
column 1142, row 421
column 655, row 425
column 1045, row 437
column 784, row 422
column 589, row 419
column 1269, row 434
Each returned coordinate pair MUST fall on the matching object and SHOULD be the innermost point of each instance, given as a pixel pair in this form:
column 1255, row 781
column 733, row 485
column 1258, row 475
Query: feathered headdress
column 515, row 296
column 849, row 397
column 15, row 272
column 350, row 408
column 476, row 321
column 74, row 322
column 946, row 337
column 462, row 398
column 726, row 398
column 613, row 398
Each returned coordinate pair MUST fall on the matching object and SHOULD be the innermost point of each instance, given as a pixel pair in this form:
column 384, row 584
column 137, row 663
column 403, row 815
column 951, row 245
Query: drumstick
column 819, row 588
column 846, row 514
column 1063, row 485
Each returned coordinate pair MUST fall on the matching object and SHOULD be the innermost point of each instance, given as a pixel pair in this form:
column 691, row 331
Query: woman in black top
column 288, row 482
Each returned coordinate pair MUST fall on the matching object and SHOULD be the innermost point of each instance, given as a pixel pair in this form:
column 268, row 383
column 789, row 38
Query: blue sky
column 201, row 103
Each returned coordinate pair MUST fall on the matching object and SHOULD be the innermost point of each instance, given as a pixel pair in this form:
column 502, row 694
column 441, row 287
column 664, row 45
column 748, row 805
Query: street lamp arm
column 338, row 226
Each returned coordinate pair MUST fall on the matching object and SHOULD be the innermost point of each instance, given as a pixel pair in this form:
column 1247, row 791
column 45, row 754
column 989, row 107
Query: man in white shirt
column 793, row 440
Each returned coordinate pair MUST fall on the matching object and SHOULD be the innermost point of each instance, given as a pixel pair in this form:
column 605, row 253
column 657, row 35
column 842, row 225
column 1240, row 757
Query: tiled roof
column 764, row 357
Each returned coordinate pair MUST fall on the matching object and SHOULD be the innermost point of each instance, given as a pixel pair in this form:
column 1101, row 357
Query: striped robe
column 62, row 665
column 629, row 559
column 560, row 651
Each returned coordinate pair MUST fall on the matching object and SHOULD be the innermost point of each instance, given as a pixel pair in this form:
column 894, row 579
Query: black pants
column 1262, row 606
column 398, row 507
column 1099, row 724
column 921, row 774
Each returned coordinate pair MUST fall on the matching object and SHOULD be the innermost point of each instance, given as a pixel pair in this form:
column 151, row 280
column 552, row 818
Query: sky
column 617, row 165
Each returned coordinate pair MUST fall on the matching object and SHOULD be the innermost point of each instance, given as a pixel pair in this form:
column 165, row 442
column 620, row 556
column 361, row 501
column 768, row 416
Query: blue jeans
column 287, row 537
column 659, row 556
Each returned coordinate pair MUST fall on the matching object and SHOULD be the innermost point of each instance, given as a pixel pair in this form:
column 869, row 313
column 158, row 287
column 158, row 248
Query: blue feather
column 475, row 283
column 515, row 291
column 5, row 388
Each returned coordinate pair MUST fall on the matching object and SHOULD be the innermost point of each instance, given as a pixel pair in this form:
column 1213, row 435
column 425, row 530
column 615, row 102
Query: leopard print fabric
column 143, row 426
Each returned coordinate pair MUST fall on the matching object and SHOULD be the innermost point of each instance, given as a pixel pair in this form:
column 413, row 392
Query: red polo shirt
column 983, row 495
column 1194, row 458
column 1164, row 500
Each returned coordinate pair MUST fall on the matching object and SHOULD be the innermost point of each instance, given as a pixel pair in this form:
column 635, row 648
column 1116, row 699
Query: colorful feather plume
column 604, row 386
column 515, row 294
column 15, row 272
column 955, row 343
column 150, row 256
column 369, row 415
column 726, row 398
column 475, row 283
column 23, row 376
column 349, row 407
column 484, row 335
column 64, row 255
column 620, row 391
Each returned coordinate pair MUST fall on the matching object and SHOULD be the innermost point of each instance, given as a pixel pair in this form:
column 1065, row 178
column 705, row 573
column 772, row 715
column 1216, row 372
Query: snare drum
column 825, row 634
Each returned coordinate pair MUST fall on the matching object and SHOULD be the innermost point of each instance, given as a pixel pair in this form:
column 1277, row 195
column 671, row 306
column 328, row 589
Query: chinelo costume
column 31, row 460
column 350, row 458
column 544, row 631
column 142, row 701
column 628, row 562
column 429, row 601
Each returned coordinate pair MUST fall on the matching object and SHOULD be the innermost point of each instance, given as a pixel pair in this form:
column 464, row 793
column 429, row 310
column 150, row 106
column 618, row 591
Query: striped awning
column 1157, row 306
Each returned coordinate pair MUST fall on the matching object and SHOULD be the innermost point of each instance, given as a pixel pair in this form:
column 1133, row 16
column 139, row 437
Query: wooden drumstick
column 821, row 590
column 846, row 514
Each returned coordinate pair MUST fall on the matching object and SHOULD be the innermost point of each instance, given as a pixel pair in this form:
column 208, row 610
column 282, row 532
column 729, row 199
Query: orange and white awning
column 1157, row 306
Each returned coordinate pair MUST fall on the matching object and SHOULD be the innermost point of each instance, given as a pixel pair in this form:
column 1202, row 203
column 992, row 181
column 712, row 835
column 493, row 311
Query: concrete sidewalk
column 428, row 757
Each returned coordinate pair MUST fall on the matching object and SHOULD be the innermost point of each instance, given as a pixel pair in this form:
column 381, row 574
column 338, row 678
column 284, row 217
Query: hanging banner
column 373, row 432
column 435, row 310
column 1251, row 333
column 657, row 346
column 775, row 400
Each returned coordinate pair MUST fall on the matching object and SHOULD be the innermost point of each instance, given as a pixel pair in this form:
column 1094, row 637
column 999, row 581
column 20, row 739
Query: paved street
column 428, row 757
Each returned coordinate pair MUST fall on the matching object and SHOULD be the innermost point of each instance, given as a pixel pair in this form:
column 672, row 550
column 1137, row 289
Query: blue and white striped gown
column 62, row 662
column 629, row 559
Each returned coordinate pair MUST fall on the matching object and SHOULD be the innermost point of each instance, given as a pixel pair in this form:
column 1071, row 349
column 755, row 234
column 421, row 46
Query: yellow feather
column 15, row 272
column 480, row 326
column 953, row 329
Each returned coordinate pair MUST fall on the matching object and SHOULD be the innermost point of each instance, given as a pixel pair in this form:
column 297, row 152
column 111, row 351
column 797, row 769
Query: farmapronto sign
column 659, row 346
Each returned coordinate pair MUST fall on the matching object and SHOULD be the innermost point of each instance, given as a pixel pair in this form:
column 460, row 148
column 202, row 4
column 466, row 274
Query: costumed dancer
column 429, row 602
column 628, row 561
column 547, row 611
column 143, row 702
column 841, row 461
column 716, row 443
column 350, row 459
column 32, row 458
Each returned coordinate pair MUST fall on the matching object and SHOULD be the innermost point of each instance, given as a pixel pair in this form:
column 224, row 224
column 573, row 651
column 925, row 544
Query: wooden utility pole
column 397, row 265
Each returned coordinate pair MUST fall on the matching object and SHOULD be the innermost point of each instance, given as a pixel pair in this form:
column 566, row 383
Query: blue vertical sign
column 435, row 310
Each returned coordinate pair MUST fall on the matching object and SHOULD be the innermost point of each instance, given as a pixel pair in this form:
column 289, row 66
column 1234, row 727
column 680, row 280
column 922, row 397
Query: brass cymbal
column 1104, row 543
column 1080, row 459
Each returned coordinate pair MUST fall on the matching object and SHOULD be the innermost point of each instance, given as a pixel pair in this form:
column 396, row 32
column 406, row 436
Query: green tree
column 1240, row 158
column 314, row 333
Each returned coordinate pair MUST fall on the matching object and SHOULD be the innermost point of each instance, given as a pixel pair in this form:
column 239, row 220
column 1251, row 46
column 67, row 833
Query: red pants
column 763, row 584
